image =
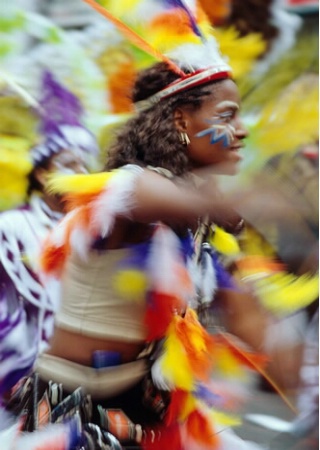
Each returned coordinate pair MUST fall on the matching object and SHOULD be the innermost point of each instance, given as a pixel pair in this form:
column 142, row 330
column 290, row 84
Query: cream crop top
column 89, row 303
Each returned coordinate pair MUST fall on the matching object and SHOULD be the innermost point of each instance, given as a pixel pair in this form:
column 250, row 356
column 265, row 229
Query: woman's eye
column 226, row 116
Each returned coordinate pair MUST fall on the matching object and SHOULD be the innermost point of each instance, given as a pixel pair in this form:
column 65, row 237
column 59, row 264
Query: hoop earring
column 184, row 138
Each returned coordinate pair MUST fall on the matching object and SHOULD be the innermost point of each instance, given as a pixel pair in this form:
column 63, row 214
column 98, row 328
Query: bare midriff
column 79, row 348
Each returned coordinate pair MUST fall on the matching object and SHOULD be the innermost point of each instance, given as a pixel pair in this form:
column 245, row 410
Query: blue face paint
column 219, row 131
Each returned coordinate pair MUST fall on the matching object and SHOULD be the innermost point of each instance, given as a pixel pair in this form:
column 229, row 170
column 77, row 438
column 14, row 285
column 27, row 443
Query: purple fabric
column 18, row 343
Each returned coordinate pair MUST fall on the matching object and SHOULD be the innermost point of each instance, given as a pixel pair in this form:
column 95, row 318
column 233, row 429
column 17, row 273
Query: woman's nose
column 241, row 130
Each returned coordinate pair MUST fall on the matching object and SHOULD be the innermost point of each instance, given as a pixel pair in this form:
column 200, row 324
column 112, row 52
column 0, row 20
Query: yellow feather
column 15, row 164
column 253, row 243
column 225, row 419
column 189, row 406
column 285, row 293
column 164, row 40
column 241, row 51
column 130, row 284
column 227, row 364
column 224, row 242
column 79, row 183
column 174, row 362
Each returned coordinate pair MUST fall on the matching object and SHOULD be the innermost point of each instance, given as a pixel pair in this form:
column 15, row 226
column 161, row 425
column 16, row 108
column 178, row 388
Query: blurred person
column 156, row 167
column 27, row 303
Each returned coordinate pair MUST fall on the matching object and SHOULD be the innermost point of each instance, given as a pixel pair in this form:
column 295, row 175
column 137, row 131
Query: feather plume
column 226, row 420
column 227, row 363
column 193, row 22
column 280, row 292
column 159, row 313
column 191, row 404
column 176, row 405
column 85, row 184
column 174, row 362
column 285, row 293
column 178, row 29
column 109, row 193
column 53, row 259
column 243, row 356
column 258, row 265
column 134, row 37
column 199, row 427
column 224, row 242
column 158, row 377
column 197, row 344
column 242, row 51
column 131, row 284
column 166, row 266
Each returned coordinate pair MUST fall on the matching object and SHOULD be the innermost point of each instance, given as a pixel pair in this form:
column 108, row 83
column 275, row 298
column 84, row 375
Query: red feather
column 53, row 259
column 177, row 402
column 159, row 313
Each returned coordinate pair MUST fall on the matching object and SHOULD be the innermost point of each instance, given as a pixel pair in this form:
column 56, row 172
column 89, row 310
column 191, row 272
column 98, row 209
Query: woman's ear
column 180, row 120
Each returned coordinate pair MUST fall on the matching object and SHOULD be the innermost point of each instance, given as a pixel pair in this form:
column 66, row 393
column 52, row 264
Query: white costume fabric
column 21, row 233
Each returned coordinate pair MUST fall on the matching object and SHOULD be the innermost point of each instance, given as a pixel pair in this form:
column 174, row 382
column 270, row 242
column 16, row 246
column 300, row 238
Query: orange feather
column 53, row 258
column 73, row 201
column 175, row 21
column 197, row 343
column 120, row 91
column 200, row 428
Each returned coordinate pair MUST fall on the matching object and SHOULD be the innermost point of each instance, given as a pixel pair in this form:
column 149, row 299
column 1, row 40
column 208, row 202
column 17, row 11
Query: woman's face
column 215, row 130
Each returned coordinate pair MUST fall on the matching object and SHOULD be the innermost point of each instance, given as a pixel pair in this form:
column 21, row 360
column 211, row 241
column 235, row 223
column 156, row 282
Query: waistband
column 99, row 383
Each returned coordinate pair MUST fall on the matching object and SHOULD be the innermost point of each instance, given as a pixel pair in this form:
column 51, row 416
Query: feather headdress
column 61, row 114
column 175, row 31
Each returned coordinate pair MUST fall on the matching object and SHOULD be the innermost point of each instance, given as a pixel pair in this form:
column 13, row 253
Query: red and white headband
column 189, row 81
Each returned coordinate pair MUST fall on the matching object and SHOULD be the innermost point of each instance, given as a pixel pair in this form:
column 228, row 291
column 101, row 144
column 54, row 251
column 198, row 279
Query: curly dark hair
column 151, row 138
